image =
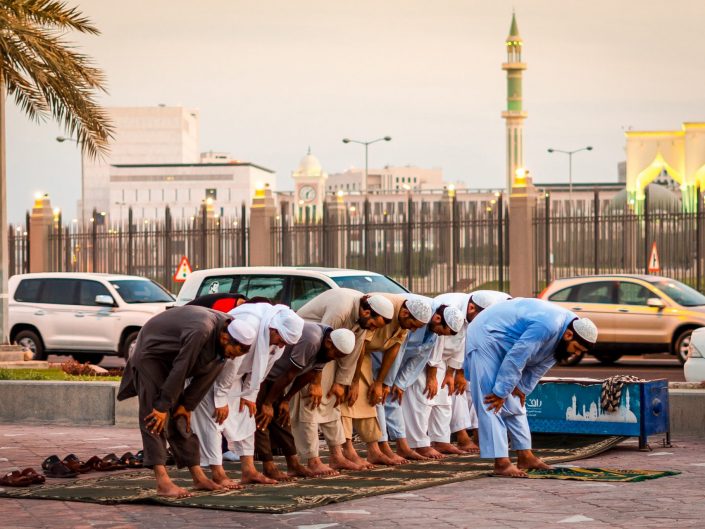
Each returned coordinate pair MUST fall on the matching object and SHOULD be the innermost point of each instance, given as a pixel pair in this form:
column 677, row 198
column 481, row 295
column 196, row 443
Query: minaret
column 514, row 114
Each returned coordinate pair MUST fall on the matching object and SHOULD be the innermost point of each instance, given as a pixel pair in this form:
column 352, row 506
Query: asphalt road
column 647, row 367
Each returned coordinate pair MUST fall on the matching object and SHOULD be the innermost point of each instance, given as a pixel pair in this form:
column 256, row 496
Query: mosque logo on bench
column 596, row 413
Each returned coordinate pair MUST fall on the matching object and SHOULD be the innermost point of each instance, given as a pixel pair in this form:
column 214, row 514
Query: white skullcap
column 586, row 329
column 344, row 340
column 242, row 332
column 454, row 319
column 419, row 308
column 381, row 306
column 288, row 324
column 485, row 298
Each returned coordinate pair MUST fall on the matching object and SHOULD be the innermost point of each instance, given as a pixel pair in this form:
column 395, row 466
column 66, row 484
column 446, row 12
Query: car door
column 595, row 300
column 94, row 325
column 58, row 307
column 272, row 287
column 636, row 322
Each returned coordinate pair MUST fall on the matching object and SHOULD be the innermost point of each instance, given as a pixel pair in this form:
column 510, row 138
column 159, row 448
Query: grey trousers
column 183, row 445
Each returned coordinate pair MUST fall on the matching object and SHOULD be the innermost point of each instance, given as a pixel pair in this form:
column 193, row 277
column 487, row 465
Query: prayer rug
column 599, row 474
column 139, row 486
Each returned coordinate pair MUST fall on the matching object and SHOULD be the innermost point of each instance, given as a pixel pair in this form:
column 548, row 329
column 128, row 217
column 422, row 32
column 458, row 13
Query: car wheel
column 31, row 341
column 93, row 358
column 680, row 345
column 128, row 345
column 572, row 361
column 607, row 359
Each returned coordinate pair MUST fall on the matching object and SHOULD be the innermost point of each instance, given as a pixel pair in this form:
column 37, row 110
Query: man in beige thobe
column 340, row 308
column 366, row 392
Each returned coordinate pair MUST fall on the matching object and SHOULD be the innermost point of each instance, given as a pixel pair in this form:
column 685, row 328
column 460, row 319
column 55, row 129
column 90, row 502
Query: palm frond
column 50, row 13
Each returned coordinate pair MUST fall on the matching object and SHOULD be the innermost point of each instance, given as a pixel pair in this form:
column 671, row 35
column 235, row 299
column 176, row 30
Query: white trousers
column 426, row 420
column 208, row 431
column 462, row 413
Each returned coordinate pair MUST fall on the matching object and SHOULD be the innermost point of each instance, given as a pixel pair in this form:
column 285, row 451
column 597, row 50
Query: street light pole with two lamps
column 366, row 144
column 570, row 168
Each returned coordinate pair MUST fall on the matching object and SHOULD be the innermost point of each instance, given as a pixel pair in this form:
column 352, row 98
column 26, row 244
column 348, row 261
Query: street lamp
column 570, row 168
column 62, row 139
column 366, row 144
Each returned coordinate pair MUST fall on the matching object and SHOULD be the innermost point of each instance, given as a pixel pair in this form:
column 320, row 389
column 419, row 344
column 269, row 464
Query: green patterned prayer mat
column 599, row 474
column 139, row 486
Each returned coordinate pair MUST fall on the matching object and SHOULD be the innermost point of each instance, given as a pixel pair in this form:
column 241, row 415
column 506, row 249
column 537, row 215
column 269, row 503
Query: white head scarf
column 258, row 359
column 288, row 324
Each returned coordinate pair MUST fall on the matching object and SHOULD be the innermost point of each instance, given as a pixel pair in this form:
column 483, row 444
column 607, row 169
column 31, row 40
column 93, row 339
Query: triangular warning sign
column 654, row 263
column 183, row 270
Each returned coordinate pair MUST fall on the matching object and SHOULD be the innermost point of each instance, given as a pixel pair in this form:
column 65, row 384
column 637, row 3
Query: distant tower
column 514, row 114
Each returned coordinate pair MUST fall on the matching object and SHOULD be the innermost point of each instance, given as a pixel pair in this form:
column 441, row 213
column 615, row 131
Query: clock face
column 307, row 193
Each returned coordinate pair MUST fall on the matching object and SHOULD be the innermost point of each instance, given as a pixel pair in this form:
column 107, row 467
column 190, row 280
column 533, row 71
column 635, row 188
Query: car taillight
column 540, row 296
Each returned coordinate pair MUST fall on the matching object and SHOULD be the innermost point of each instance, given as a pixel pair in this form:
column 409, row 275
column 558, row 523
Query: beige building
column 389, row 178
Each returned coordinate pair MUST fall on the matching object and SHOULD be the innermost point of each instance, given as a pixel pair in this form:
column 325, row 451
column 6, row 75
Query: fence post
column 167, row 247
column 647, row 230
column 284, row 233
column 522, row 260
column 698, row 235
column 204, row 237
column 366, row 229
column 500, row 242
column 94, row 242
column 28, row 255
column 243, row 234
column 409, row 243
column 455, row 239
column 262, row 214
column 547, row 236
column 596, row 250
column 130, row 256
column 40, row 224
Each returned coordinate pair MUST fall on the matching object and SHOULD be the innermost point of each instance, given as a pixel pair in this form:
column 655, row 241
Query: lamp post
column 366, row 144
column 570, row 168
column 82, row 217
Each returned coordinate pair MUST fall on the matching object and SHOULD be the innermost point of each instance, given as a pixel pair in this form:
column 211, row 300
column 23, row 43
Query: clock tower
column 309, row 188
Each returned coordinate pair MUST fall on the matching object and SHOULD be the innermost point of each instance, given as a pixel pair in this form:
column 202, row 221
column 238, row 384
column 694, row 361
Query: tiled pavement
column 485, row 503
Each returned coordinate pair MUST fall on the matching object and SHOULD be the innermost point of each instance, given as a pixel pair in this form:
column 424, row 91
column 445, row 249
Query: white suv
column 84, row 315
column 292, row 286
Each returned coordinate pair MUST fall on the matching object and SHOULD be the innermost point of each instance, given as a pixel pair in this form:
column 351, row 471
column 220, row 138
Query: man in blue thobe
column 509, row 347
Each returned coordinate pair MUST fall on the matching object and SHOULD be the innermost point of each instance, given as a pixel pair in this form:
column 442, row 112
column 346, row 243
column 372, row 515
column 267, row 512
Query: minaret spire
column 514, row 114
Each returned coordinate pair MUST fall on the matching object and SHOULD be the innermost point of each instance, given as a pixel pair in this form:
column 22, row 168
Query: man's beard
column 561, row 353
column 364, row 322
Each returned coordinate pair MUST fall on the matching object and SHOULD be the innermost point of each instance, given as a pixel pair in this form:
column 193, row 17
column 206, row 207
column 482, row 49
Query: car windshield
column 680, row 293
column 370, row 283
column 141, row 291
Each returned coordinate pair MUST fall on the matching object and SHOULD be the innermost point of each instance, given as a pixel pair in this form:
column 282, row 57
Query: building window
column 397, row 179
column 211, row 192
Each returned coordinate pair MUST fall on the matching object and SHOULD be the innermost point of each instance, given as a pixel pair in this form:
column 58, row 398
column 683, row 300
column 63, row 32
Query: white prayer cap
column 586, row 329
column 242, row 332
column 381, row 306
column 288, row 324
column 344, row 340
column 454, row 319
column 485, row 298
column 419, row 308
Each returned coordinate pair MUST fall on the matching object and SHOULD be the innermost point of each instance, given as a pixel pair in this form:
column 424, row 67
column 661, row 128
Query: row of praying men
column 399, row 368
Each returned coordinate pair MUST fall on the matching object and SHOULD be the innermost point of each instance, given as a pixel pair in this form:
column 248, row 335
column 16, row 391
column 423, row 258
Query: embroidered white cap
column 486, row 298
column 586, row 329
column 419, row 308
column 344, row 340
column 242, row 332
column 381, row 306
column 454, row 319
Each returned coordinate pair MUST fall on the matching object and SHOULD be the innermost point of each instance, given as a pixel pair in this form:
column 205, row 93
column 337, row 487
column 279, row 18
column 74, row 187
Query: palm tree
column 47, row 78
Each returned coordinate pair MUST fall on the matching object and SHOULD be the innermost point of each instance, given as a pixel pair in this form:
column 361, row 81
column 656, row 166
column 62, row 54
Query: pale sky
column 272, row 77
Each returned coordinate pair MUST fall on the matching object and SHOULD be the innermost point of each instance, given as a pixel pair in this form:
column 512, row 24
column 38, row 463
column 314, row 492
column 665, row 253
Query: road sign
column 183, row 270
column 654, row 263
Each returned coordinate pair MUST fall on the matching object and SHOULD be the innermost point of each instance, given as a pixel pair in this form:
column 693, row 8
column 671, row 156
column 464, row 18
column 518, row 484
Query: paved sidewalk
column 485, row 503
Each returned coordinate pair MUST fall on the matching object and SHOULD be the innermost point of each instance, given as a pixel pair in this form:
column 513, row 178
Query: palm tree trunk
column 4, row 248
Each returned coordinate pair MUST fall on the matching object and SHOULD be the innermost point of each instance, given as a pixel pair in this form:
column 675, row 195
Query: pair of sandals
column 23, row 478
column 71, row 465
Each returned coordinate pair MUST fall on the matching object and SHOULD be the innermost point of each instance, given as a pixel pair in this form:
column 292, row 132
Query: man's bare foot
column 447, row 448
column 469, row 447
column 411, row 455
column 387, row 451
column 351, row 455
column 256, row 477
column 221, row 478
column 340, row 462
column 272, row 471
column 380, row 459
column 429, row 452
column 527, row 460
column 206, row 484
column 172, row 491
column 504, row 467
column 316, row 466
column 298, row 470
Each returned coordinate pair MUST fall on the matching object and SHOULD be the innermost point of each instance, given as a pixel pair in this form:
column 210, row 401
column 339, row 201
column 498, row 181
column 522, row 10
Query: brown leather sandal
column 34, row 476
column 76, row 465
column 15, row 479
column 54, row 468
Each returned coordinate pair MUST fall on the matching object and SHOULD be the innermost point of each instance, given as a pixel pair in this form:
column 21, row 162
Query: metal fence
column 148, row 248
column 430, row 247
column 600, row 240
